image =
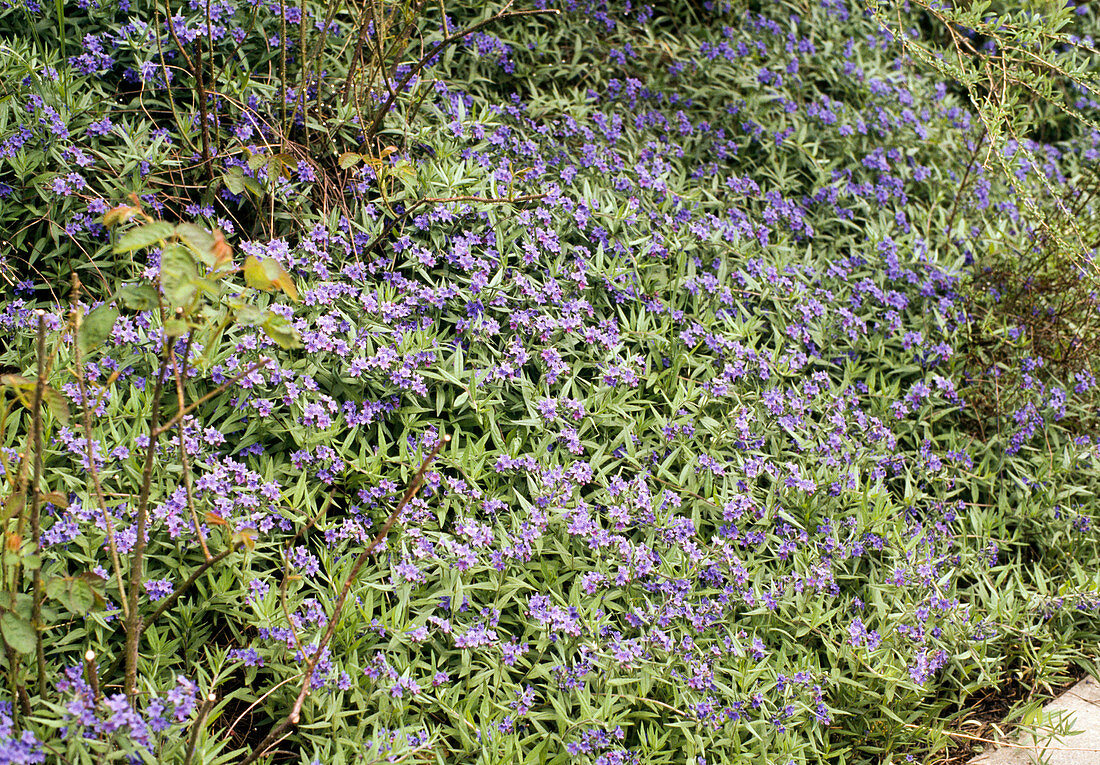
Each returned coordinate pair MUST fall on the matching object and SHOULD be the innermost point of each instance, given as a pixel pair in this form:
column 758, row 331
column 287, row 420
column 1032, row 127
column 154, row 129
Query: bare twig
column 257, row 702
column 284, row 129
column 36, row 503
column 196, row 727
column 137, row 558
column 1037, row 748
column 91, row 674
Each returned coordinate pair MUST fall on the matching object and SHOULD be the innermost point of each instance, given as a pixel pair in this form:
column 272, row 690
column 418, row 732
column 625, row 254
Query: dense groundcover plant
column 580, row 382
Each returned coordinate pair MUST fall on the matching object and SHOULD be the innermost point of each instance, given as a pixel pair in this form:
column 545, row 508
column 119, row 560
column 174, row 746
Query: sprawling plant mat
column 734, row 402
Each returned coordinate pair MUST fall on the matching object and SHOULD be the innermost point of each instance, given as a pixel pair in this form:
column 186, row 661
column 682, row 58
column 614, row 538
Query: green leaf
column 137, row 297
column 250, row 314
column 96, row 583
column 145, row 235
column 17, row 382
column 349, row 159
column 253, row 186
column 245, row 538
column 24, row 606
column 177, row 275
column 175, row 328
column 74, row 593
column 268, row 275
column 281, row 279
column 18, row 633
column 13, row 505
column 24, row 390
column 56, row 498
column 234, row 180
column 96, row 328
column 255, row 276
column 208, row 287
column 279, row 329
column 81, row 598
column 56, row 403
column 281, row 164
column 200, row 241
column 119, row 214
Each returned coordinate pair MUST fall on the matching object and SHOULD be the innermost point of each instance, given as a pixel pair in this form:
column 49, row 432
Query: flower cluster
column 114, row 717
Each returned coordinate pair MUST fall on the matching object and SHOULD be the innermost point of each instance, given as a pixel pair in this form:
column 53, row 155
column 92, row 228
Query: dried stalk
column 36, row 503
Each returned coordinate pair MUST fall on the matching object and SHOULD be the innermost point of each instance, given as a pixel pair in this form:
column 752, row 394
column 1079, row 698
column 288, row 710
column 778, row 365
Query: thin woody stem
column 36, row 504
column 183, row 588
column 137, row 559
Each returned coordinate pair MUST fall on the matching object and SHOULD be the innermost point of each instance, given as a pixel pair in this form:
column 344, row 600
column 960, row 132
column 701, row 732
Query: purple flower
column 158, row 589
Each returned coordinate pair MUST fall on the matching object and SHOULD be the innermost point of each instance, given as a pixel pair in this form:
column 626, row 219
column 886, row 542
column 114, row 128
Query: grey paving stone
column 1081, row 706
